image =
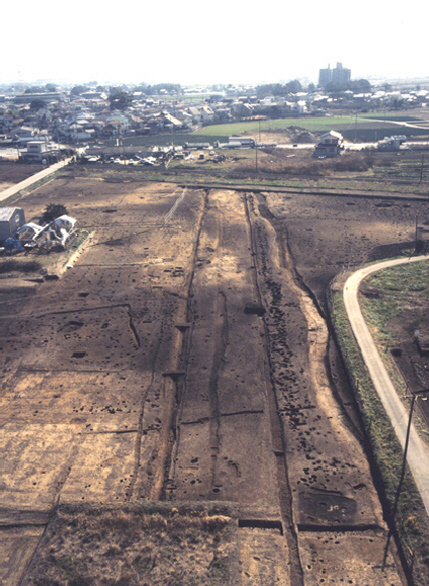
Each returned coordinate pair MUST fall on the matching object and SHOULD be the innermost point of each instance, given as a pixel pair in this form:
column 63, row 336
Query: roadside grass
column 11, row 265
column 401, row 288
column 137, row 543
column 411, row 522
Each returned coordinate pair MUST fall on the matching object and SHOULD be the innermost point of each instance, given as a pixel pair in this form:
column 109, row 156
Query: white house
column 24, row 134
column 329, row 145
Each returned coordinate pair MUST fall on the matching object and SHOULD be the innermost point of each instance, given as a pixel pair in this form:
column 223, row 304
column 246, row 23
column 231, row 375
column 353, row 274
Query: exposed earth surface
column 167, row 403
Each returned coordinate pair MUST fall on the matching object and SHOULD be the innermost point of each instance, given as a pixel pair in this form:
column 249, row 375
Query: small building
column 11, row 219
column 329, row 145
column 40, row 151
column 45, row 96
column 23, row 134
column 391, row 144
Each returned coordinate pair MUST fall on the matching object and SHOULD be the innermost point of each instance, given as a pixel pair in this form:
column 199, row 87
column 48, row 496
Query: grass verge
column 411, row 524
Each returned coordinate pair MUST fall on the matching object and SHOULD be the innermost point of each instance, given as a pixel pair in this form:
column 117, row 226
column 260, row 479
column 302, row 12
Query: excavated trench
column 278, row 439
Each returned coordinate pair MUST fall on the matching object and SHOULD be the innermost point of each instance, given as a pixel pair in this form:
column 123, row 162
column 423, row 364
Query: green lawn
column 363, row 129
column 317, row 124
column 348, row 126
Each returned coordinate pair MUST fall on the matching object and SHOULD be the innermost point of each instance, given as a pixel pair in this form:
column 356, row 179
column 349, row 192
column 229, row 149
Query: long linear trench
column 220, row 335
column 172, row 423
column 278, row 439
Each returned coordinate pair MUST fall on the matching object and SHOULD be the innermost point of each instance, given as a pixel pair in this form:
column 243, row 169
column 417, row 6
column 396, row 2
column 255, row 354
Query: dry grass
column 21, row 266
column 138, row 544
column 281, row 162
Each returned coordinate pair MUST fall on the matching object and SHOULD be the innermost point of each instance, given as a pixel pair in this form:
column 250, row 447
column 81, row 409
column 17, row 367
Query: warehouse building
column 10, row 220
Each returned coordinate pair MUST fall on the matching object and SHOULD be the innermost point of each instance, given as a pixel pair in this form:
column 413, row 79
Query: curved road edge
column 418, row 453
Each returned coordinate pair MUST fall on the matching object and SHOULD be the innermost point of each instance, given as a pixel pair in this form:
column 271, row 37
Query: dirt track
column 183, row 359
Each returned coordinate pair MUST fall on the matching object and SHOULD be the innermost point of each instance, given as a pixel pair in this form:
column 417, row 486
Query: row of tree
column 155, row 90
column 293, row 87
column 278, row 89
column 357, row 86
column 38, row 89
column 149, row 90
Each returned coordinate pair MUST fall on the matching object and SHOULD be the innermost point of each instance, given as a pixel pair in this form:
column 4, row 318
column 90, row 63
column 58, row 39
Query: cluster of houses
column 60, row 117
column 86, row 118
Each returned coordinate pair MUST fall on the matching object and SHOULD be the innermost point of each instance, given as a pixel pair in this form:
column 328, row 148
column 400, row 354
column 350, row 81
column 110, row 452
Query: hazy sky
column 223, row 41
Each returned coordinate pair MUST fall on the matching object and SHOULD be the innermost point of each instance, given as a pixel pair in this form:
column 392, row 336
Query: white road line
column 173, row 209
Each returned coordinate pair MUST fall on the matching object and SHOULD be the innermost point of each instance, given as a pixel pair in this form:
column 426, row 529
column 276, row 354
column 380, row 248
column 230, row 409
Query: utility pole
column 404, row 462
column 417, row 233
column 421, row 169
column 355, row 127
column 256, row 153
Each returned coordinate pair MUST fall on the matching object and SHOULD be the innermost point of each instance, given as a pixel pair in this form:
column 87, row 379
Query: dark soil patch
column 16, row 172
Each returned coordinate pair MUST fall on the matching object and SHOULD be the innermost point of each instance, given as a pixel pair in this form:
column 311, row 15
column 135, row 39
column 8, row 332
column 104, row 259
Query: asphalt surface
column 418, row 453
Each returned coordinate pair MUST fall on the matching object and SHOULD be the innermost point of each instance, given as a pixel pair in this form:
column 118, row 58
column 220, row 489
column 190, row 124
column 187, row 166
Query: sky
column 227, row 41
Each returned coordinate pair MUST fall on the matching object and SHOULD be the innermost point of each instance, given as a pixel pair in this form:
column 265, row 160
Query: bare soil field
column 181, row 362
column 11, row 173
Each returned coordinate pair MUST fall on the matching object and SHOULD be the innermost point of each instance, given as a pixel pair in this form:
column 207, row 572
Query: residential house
column 196, row 114
column 240, row 110
column 329, row 145
column 391, row 144
column 40, row 151
column 207, row 114
column 23, row 134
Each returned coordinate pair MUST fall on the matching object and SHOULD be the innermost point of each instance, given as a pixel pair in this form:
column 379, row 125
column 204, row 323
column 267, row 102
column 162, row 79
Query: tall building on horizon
column 339, row 75
column 325, row 76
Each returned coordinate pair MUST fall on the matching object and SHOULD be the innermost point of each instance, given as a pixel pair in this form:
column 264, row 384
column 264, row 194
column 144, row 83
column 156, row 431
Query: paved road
column 395, row 122
column 418, row 453
column 33, row 179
